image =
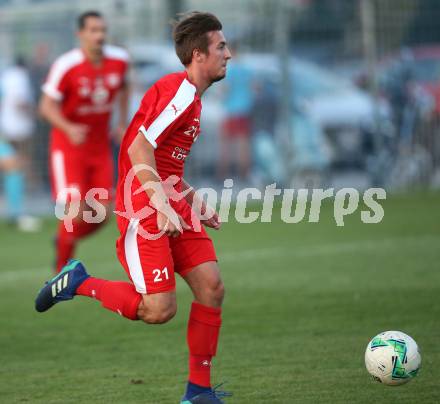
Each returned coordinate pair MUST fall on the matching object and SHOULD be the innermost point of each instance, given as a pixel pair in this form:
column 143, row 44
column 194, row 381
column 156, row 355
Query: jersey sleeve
column 56, row 83
column 163, row 107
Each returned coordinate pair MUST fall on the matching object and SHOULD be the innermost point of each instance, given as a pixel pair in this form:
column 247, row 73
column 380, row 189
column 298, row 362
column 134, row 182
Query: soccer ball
column 392, row 358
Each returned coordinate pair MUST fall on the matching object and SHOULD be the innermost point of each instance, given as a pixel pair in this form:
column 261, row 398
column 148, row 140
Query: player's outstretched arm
column 50, row 109
column 141, row 153
column 123, row 97
column 208, row 216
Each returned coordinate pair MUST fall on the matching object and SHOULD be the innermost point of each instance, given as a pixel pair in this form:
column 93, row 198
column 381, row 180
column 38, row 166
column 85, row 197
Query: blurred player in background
column 13, row 184
column 160, row 137
column 77, row 100
column 17, row 123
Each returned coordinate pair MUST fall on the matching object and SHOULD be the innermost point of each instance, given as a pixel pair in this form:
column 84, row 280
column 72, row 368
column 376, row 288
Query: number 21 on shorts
column 159, row 275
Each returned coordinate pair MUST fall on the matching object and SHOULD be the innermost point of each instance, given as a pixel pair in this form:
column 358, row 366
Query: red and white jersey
column 169, row 118
column 86, row 91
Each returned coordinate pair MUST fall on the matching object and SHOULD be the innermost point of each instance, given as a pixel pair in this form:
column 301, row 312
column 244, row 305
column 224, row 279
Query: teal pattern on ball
column 399, row 359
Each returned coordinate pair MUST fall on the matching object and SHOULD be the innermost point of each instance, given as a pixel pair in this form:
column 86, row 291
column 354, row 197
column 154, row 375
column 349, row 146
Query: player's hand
column 170, row 223
column 213, row 222
column 207, row 215
column 77, row 133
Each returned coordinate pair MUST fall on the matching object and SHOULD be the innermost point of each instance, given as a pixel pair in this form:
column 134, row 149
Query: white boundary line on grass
column 250, row 254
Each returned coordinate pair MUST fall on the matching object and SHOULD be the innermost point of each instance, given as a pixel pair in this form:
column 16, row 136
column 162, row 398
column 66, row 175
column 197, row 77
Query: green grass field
column 302, row 302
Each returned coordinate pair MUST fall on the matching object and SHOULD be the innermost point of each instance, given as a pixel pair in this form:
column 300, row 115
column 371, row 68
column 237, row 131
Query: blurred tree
column 320, row 28
column 175, row 7
column 323, row 20
column 392, row 20
column 425, row 27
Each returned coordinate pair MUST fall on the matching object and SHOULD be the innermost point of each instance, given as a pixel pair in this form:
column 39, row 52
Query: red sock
column 65, row 247
column 202, row 337
column 66, row 241
column 120, row 297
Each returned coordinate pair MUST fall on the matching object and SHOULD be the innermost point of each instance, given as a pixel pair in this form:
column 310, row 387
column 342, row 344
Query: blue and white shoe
column 208, row 397
column 61, row 287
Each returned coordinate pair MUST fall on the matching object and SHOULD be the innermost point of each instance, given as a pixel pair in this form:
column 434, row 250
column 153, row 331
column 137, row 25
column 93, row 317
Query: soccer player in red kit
column 78, row 98
column 160, row 234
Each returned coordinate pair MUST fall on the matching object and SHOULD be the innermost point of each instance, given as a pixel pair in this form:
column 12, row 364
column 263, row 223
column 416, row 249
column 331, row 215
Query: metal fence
column 344, row 92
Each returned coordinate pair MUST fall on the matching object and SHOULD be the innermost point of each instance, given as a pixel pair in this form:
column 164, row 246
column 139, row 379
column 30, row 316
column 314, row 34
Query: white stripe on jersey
column 71, row 59
column 58, row 70
column 132, row 257
column 114, row 52
column 59, row 171
column 180, row 102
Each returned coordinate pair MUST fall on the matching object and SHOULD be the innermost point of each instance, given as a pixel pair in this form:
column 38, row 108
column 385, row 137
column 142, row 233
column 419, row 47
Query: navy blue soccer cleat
column 208, row 397
column 61, row 287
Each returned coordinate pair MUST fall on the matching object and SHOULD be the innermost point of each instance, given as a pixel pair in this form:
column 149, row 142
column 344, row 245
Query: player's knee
column 107, row 213
column 216, row 290
column 159, row 317
column 220, row 292
column 78, row 219
column 158, row 314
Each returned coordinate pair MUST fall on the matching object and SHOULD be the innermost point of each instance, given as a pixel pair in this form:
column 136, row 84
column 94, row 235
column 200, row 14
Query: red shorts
column 237, row 126
column 151, row 264
column 81, row 170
